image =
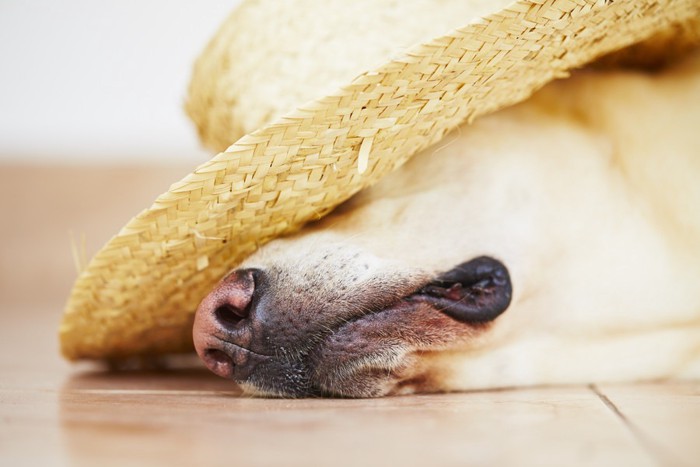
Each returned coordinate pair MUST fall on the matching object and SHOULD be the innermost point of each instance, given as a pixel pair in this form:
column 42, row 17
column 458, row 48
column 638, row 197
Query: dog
column 554, row 242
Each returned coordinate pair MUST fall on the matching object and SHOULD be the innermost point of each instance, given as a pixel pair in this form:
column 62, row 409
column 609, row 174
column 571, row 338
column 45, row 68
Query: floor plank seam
column 657, row 452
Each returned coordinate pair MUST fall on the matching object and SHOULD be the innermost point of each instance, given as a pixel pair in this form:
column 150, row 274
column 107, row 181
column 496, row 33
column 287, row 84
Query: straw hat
column 326, row 98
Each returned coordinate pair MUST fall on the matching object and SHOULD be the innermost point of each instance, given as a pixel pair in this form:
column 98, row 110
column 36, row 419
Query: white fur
column 589, row 193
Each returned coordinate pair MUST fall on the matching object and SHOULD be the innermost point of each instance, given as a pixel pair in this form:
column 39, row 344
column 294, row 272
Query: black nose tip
column 224, row 311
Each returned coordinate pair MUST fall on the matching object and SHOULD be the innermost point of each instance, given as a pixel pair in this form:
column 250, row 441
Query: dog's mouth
column 359, row 356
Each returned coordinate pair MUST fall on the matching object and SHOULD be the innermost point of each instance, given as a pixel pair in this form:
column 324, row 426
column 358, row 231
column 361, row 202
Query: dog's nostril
column 231, row 301
column 218, row 362
column 229, row 316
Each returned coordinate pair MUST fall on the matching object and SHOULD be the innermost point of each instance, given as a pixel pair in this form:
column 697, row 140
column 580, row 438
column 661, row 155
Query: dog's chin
column 367, row 376
column 375, row 355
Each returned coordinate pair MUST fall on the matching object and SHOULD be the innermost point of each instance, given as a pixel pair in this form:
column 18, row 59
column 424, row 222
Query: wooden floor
column 53, row 413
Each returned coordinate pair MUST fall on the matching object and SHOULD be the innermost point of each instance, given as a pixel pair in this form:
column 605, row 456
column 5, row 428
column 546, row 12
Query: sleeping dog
column 554, row 242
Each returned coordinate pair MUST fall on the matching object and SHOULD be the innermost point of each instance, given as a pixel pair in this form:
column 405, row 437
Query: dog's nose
column 221, row 322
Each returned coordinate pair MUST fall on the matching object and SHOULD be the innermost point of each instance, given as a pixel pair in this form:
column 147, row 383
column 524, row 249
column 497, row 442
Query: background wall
column 85, row 82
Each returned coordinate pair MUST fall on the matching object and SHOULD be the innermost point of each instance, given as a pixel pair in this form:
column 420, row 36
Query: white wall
column 84, row 81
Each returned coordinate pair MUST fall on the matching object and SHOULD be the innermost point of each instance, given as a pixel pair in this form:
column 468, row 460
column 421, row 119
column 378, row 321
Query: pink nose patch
column 221, row 312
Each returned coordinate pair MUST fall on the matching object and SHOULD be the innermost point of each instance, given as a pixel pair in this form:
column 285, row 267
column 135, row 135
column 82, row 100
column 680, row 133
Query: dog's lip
column 413, row 293
column 423, row 294
column 410, row 296
column 426, row 294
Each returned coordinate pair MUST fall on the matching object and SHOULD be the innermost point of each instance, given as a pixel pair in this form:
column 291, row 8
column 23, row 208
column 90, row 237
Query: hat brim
column 138, row 294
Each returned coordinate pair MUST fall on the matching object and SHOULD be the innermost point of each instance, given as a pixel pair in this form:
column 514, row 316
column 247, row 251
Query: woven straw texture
column 138, row 294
